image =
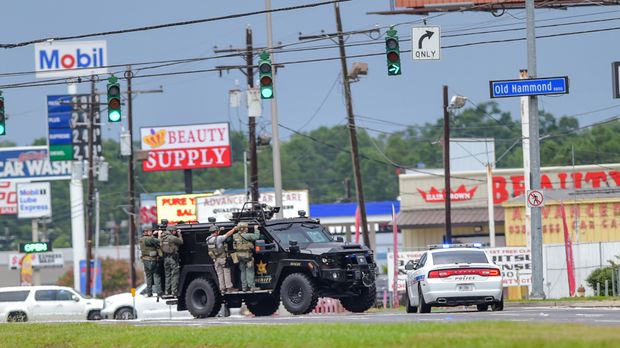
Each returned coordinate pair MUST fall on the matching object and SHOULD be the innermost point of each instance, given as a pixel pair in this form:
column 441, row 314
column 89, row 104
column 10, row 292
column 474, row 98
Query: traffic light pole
column 446, row 166
column 352, row 131
column 131, row 179
column 275, row 127
column 252, row 120
column 91, row 185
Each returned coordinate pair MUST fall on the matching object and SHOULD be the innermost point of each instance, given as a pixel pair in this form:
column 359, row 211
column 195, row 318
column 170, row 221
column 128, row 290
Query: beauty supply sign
column 186, row 147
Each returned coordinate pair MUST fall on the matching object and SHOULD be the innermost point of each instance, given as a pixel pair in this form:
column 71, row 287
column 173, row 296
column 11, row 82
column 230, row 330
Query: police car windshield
column 459, row 256
column 304, row 234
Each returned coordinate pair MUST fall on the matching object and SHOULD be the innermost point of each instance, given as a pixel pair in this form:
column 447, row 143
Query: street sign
column 615, row 73
column 35, row 247
column 527, row 87
column 425, row 43
column 535, row 199
column 34, row 200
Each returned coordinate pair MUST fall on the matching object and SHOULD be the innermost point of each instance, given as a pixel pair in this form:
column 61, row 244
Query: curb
column 564, row 304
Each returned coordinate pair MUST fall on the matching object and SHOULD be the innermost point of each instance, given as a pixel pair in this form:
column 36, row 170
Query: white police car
column 453, row 275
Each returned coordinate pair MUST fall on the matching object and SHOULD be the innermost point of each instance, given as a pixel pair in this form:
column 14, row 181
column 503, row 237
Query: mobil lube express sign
column 70, row 59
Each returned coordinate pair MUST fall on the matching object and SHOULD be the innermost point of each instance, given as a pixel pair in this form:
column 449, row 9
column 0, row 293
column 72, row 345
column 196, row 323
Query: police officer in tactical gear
column 171, row 240
column 243, row 245
column 218, row 251
column 149, row 254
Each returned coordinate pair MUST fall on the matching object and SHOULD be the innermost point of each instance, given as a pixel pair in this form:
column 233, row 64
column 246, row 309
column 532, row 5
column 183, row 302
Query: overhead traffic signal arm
column 265, row 70
column 392, row 52
column 114, row 100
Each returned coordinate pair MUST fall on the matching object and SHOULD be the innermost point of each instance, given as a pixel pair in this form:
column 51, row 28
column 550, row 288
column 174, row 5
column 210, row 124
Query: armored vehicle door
column 266, row 257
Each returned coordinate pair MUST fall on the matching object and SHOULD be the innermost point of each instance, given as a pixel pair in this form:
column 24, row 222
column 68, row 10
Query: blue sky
column 308, row 89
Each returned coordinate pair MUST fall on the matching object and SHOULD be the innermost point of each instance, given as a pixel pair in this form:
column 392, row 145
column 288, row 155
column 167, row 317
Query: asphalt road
column 589, row 316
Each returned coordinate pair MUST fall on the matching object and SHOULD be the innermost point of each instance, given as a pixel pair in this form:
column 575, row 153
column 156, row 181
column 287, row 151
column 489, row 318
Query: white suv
column 453, row 276
column 46, row 303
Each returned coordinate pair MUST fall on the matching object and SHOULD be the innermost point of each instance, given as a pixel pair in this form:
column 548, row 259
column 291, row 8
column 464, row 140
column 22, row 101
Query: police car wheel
column 422, row 306
column 264, row 306
column 498, row 306
column 201, row 298
column 299, row 294
column 362, row 302
column 408, row 307
column 482, row 307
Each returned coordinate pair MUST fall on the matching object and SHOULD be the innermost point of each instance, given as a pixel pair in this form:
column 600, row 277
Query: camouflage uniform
column 218, row 251
column 149, row 254
column 170, row 246
column 242, row 243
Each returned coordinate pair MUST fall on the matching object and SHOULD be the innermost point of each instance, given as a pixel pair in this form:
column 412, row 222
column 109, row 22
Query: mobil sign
column 186, row 147
column 70, row 59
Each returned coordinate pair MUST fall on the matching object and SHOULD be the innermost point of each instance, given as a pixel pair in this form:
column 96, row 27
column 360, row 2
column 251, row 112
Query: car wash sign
column 31, row 164
column 70, row 59
column 186, row 147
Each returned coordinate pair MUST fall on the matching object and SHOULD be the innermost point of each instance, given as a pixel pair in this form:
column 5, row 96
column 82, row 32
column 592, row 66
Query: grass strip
column 477, row 334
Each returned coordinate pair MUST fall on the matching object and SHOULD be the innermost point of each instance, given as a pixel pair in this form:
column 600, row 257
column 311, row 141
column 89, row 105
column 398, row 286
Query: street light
column 456, row 102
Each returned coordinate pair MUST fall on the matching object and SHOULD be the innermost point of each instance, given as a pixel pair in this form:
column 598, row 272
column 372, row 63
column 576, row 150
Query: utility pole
column 131, row 182
column 538, row 291
column 446, row 165
column 91, row 184
column 352, row 131
column 249, row 56
column 275, row 128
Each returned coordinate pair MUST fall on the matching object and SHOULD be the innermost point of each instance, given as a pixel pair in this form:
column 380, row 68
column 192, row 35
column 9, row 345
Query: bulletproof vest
column 147, row 250
column 214, row 251
column 167, row 245
column 241, row 243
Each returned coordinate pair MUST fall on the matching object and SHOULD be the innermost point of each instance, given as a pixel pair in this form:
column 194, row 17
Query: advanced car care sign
column 186, row 147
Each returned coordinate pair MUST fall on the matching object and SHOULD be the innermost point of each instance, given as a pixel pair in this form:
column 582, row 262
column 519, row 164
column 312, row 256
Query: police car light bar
column 450, row 246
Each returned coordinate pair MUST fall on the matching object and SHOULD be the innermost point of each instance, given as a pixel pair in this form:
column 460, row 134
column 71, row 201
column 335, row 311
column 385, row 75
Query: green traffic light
column 114, row 115
column 2, row 129
column 266, row 93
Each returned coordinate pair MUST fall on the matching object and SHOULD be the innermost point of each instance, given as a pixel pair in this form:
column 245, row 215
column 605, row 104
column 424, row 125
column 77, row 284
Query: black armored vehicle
column 296, row 261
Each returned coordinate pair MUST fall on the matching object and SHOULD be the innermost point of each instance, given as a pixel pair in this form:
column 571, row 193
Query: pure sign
column 186, row 147
column 35, row 247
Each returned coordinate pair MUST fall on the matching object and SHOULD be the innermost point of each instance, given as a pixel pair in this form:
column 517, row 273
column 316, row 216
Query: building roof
column 348, row 209
column 437, row 217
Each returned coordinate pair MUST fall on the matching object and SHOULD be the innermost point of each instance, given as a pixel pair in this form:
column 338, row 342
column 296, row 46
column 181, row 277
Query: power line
column 168, row 25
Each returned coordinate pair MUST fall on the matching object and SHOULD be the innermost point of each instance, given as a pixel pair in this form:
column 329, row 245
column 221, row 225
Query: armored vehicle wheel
column 362, row 302
column 264, row 305
column 202, row 299
column 408, row 307
column 299, row 294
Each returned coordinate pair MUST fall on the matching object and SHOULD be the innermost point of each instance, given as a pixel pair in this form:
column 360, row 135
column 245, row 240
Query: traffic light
column 114, row 100
column 2, row 116
column 392, row 52
column 266, row 78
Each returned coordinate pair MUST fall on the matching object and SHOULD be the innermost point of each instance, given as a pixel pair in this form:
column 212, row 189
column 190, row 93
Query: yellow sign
column 261, row 268
column 177, row 208
column 596, row 221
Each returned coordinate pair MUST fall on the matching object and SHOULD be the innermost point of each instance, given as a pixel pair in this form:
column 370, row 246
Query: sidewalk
column 564, row 304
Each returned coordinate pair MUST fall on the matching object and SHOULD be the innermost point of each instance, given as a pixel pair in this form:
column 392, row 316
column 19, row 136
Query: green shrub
column 599, row 276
